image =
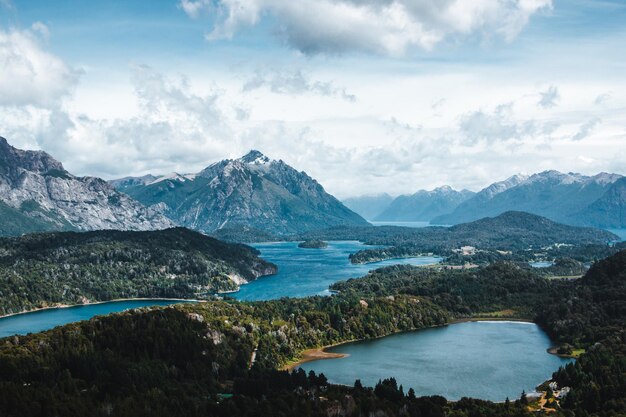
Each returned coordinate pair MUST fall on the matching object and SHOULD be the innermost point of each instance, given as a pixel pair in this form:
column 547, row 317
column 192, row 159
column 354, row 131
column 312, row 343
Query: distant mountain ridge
column 249, row 192
column 568, row 198
column 424, row 205
column 369, row 206
column 607, row 211
column 38, row 194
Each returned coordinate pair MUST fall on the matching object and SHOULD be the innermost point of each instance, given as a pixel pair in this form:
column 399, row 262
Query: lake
column 541, row 264
column 304, row 272
column 619, row 232
column 488, row 360
column 413, row 224
column 301, row 273
column 41, row 320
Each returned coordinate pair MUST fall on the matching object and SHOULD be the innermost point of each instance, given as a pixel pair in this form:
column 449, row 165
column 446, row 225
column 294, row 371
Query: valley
column 317, row 208
column 219, row 337
column 198, row 316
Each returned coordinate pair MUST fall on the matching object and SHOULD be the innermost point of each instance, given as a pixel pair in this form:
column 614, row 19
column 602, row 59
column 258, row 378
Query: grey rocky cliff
column 38, row 187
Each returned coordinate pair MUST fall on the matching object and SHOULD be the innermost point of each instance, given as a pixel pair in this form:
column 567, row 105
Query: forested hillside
column 47, row 269
column 219, row 358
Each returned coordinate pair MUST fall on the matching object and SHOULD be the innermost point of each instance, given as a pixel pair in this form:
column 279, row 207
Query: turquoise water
column 41, row 320
column 541, row 264
column 305, row 272
column 406, row 224
column 488, row 360
column 619, row 232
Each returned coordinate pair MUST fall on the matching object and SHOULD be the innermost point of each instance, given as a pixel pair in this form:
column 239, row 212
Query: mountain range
column 569, row 198
column 369, row 206
column 424, row 205
column 38, row 194
column 252, row 192
column 254, row 195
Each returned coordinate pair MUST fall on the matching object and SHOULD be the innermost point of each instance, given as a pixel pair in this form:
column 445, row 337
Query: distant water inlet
column 487, row 360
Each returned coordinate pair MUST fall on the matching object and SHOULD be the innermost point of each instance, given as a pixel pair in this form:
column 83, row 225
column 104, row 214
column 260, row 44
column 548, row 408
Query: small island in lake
column 313, row 244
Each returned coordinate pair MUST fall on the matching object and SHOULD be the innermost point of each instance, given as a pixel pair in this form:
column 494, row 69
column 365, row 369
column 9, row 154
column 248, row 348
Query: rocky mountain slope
column 424, row 205
column 568, row 198
column 38, row 194
column 607, row 211
column 251, row 192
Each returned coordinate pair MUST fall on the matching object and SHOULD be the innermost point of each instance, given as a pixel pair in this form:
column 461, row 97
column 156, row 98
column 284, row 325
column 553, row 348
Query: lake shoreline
column 477, row 319
column 385, row 259
column 320, row 353
column 314, row 354
column 116, row 300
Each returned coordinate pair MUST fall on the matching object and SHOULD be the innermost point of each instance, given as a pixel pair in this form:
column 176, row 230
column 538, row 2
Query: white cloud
column 29, row 75
column 294, row 83
column 501, row 125
column 193, row 8
column 586, row 128
column 602, row 99
column 380, row 26
column 549, row 98
column 174, row 128
column 399, row 136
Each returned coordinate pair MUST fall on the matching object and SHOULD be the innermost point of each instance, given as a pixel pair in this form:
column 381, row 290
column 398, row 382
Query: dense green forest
column 313, row 244
column 45, row 269
column 219, row 358
column 15, row 222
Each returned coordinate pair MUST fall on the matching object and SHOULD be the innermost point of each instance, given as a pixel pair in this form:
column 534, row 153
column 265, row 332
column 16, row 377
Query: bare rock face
column 36, row 189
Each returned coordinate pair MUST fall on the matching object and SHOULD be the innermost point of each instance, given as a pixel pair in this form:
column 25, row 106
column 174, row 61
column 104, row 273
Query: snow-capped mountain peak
column 255, row 157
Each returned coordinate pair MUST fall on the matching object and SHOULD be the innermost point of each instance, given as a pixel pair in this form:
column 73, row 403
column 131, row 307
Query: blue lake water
column 488, row 360
column 541, row 264
column 305, row 272
column 38, row 321
column 619, row 232
column 406, row 224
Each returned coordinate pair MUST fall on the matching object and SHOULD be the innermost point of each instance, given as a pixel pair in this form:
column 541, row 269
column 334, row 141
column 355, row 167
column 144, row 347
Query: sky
column 366, row 96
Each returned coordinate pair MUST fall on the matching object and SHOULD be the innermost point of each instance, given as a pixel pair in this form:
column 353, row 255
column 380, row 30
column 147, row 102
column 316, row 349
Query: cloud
column 602, row 98
column 388, row 27
column 295, row 83
column 7, row 4
column 586, row 129
column 29, row 75
column 175, row 128
column 549, row 98
column 193, row 8
column 500, row 125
